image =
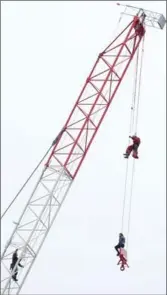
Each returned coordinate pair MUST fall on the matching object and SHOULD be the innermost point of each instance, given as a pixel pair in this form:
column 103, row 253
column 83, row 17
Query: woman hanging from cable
column 121, row 243
column 133, row 147
column 121, row 252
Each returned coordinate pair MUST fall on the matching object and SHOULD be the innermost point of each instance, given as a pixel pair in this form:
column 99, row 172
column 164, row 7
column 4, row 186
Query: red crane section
column 70, row 148
column 95, row 98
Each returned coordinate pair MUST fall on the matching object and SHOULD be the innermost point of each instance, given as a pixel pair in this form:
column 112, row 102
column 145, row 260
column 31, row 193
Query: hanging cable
column 123, row 213
column 134, row 93
column 135, row 124
column 132, row 119
column 130, row 207
column 139, row 87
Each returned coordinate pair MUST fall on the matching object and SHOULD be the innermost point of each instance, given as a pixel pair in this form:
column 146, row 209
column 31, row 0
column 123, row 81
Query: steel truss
column 68, row 153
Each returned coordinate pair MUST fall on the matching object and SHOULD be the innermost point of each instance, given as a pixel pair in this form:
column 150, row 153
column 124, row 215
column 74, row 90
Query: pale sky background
column 48, row 50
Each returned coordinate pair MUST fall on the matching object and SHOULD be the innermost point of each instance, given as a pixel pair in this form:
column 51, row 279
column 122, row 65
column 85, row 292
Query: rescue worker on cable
column 14, row 261
column 133, row 147
column 121, row 243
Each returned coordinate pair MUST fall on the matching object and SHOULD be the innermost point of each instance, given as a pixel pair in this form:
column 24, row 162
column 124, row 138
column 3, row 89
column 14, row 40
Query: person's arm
column 20, row 264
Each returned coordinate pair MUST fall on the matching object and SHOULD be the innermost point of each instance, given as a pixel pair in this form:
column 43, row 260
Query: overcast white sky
column 48, row 49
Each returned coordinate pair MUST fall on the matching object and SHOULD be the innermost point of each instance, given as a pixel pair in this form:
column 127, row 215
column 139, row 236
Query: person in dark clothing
column 133, row 147
column 121, row 243
column 14, row 261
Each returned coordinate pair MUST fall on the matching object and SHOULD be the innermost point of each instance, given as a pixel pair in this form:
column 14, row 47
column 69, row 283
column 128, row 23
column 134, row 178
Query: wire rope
column 133, row 127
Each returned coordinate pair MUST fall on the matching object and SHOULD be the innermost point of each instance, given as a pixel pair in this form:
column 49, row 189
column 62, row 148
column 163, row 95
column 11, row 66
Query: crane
column 70, row 147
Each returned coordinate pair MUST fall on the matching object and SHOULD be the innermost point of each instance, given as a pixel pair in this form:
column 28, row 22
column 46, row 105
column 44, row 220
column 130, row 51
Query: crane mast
column 68, row 153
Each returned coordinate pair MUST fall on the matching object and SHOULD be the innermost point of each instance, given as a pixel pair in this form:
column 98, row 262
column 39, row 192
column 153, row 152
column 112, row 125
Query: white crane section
column 70, row 148
column 34, row 225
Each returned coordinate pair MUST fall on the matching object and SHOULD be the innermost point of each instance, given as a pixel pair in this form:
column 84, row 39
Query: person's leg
column 116, row 248
column 15, row 274
column 135, row 151
column 128, row 151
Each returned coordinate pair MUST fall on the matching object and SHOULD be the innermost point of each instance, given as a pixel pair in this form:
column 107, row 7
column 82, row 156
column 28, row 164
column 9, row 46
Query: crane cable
column 139, row 86
column 130, row 131
column 133, row 127
column 23, row 186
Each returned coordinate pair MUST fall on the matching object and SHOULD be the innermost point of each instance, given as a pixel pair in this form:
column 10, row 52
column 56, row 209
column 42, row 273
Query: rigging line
column 117, row 26
column 130, row 208
column 130, row 131
column 125, row 186
column 134, row 91
column 126, row 174
column 25, row 183
column 126, row 171
column 133, row 168
column 139, row 90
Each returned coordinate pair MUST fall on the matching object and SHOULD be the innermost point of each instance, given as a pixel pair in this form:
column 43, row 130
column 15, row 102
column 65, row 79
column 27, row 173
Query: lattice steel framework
column 68, row 153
